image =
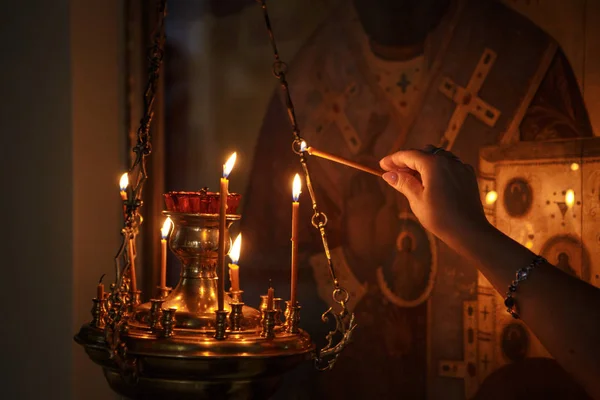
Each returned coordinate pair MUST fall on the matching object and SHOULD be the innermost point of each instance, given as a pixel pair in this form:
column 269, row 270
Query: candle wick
column 102, row 277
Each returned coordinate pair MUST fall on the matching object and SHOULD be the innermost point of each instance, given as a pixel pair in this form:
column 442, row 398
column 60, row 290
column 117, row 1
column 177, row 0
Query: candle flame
column 570, row 198
column 234, row 253
column 491, row 197
column 124, row 182
column 303, row 146
column 166, row 228
column 574, row 166
column 296, row 187
column 228, row 166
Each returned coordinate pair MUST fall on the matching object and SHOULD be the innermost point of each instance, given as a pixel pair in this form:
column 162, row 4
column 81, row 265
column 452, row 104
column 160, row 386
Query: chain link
column 121, row 297
column 280, row 68
column 137, row 172
column 318, row 220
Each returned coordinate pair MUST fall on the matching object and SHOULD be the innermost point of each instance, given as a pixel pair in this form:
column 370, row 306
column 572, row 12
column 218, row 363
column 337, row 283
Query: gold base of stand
column 193, row 365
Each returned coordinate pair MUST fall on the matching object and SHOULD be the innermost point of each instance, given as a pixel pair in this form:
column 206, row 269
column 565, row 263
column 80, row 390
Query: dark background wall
column 60, row 157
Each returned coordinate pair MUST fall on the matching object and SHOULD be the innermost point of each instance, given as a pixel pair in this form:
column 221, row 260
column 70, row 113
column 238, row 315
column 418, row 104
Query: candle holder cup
column 236, row 316
column 292, row 319
column 268, row 324
column 236, row 296
column 163, row 292
column 168, row 322
column 155, row 314
column 98, row 313
column 278, row 311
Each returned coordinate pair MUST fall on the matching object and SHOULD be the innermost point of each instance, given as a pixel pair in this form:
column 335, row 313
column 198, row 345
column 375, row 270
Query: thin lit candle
column 337, row 159
column 234, row 269
column 123, row 184
column 164, row 233
column 296, row 190
column 224, row 192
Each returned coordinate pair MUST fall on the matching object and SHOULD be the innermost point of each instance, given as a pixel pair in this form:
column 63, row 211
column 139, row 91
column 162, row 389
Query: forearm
column 558, row 308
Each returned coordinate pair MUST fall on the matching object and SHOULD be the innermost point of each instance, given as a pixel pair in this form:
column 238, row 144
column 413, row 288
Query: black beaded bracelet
column 521, row 275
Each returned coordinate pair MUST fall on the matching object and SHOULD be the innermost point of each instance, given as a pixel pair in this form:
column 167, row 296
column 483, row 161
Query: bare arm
column 563, row 311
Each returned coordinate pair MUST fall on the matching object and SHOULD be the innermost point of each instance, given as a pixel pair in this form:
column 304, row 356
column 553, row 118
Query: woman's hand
column 444, row 196
column 442, row 191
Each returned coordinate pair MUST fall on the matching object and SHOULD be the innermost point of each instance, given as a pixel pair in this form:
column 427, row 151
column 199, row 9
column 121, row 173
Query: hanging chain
column 122, row 297
column 344, row 321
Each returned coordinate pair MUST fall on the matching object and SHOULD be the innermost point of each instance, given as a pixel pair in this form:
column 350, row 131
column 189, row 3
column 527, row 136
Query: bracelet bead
column 521, row 275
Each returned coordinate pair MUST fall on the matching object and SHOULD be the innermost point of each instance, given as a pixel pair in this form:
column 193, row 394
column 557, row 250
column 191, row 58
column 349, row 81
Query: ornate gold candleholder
column 181, row 345
column 173, row 347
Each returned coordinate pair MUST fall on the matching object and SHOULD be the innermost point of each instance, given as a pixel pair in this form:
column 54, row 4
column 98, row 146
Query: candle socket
column 292, row 317
column 168, row 322
column 163, row 292
column 98, row 313
column 236, row 296
column 236, row 316
column 263, row 302
column 155, row 314
column 268, row 324
column 136, row 299
column 277, row 308
column 221, row 324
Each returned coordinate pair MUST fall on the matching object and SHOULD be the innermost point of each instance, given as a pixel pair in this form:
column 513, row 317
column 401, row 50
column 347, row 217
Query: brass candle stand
column 181, row 345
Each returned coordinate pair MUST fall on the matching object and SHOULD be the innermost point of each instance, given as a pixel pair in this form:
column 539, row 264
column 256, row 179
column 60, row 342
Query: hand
column 442, row 191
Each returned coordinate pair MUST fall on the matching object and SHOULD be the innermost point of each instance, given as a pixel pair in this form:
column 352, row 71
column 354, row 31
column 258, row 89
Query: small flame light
column 296, row 187
column 303, row 146
column 570, row 198
column 228, row 166
column 574, row 167
column 491, row 197
column 236, row 249
column 124, row 182
column 166, row 228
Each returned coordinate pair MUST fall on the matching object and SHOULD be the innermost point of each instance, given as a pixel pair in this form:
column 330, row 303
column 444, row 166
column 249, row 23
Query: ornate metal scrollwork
column 344, row 321
column 122, row 296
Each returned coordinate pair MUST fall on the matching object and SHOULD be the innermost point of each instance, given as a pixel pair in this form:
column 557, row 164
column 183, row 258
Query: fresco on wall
column 374, row 77
column 365, row 84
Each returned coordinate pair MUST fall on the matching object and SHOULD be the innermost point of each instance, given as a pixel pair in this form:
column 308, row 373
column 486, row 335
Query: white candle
column 296, row 190
column 165, row 230
column 234, row 269
column 223, row 194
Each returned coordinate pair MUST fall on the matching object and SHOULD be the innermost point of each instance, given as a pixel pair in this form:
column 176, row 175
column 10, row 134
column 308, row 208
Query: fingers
column 406, row 159
column 404, row 182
